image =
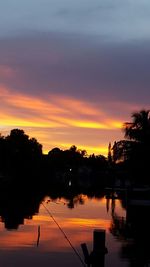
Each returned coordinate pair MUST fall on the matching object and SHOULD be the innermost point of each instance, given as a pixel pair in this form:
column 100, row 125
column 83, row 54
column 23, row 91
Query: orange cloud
column 64, row 111
column 41, row 115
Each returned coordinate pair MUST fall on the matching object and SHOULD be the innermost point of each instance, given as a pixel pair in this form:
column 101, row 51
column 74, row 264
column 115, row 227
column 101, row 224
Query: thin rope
column 76, row 252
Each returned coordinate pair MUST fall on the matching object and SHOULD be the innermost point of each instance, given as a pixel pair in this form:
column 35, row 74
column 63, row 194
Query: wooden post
column 86, row 254
column 98, row 239
column 99, row 249
column 97, row 257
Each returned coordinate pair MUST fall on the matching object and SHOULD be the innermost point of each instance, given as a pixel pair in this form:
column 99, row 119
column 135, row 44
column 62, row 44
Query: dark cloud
column 117, row 20
column 77, row 66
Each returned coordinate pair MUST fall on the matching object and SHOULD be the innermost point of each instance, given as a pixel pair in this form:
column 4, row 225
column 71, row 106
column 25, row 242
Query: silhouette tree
column 2, row 153
column 19, row 144
column 22, row 153
column 134, row 151
column 139, row 129
column 123, row 150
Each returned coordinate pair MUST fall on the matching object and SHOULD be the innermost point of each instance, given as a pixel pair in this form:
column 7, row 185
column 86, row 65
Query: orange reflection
column 21, row 238
column 78, row 224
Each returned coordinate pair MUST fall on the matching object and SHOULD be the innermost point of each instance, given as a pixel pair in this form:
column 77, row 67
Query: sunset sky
column 71, row 72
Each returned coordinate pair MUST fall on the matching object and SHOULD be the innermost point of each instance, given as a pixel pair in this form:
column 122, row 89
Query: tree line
column 20, row 154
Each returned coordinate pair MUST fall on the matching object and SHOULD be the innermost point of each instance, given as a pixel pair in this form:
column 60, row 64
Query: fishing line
column 75, row 251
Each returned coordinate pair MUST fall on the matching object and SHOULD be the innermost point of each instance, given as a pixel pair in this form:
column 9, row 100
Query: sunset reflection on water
column 78, row 225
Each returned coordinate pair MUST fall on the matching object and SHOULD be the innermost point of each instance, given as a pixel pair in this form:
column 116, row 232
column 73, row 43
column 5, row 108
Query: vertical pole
column 86, row 254
column 99, row 249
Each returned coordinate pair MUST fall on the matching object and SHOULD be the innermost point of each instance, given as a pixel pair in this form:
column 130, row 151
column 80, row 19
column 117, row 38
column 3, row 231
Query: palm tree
column 139, row 129
column 138, row 132
column 134, row 152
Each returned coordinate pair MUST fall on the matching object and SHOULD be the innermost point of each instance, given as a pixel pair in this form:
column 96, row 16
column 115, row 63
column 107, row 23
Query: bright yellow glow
column 49, row 112
column 80, row 222
column 13, row 122
column 90, row 150
column 85, row 124
column 115, row 124
column 54, row 118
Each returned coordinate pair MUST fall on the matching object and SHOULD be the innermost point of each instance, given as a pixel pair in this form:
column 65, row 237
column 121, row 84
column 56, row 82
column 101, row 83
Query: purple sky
column 72, row 71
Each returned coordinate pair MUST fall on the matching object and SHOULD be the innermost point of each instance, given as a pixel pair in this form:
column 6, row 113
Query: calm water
column 19, row 247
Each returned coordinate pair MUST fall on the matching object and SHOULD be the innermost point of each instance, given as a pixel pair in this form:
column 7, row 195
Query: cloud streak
column 71, row 89
column 77, row 66
column 63, row 111
column 57, row 112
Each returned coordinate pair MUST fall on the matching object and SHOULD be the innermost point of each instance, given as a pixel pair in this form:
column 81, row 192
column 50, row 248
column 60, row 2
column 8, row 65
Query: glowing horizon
column 37, row 117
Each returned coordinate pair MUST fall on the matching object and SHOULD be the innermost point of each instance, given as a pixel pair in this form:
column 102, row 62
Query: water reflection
column 133, row 231
column 16, row 206
column 53, row 248
column 78, row 215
